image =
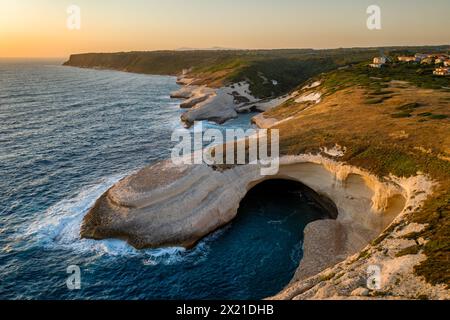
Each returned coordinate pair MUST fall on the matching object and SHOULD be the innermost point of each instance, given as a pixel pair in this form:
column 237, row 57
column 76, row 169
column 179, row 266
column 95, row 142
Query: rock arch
column 169, row 205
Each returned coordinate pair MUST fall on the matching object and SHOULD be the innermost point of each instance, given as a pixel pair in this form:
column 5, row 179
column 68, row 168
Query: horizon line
column 218, row 48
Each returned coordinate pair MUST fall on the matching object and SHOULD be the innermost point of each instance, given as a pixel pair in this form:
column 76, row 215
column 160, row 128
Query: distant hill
column 288, row 67
column 203, row 49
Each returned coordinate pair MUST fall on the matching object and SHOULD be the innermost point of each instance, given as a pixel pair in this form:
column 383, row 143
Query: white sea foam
column 59, row 228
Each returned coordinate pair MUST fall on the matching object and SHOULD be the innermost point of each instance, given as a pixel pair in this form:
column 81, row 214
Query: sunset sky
column 37, row 28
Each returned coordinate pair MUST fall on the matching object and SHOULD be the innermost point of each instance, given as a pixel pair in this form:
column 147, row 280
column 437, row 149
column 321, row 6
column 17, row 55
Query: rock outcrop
column 169, row 205
column 218, row 105
column 177, row 205
column 350, row 279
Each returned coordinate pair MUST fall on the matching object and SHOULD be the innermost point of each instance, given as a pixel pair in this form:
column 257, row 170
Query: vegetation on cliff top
column 269, row 72
column 381, row 141
column 393, row 120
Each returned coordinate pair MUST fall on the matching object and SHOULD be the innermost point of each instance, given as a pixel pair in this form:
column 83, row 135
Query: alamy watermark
column 73, row 21
column 73, row 281
column 373, row 277
column 228, row 147
column 374, row 19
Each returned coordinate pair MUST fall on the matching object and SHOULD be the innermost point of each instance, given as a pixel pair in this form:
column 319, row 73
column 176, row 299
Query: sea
column 67, row 135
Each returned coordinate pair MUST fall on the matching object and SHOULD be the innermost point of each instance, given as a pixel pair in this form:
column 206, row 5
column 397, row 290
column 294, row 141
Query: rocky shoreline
column 172, row 205
column 169, row 205
column 219, row 104
column 212, row 104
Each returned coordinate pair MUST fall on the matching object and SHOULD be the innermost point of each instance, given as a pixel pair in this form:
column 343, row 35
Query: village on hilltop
column 441, row 61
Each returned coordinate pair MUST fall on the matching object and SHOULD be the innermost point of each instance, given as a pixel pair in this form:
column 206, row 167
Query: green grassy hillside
column 394, row 120
column 269, row 72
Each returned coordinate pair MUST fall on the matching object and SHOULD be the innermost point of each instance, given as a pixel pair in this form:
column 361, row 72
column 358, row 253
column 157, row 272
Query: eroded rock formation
column 172, row 205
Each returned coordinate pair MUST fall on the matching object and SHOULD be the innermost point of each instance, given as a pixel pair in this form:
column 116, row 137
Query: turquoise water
column 67, row 135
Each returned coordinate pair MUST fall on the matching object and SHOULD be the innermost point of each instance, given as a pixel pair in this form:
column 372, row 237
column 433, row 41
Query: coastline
column 321, row 274
column 225, row 103
column 148, row 196
column 225, row 159
column 219, row 104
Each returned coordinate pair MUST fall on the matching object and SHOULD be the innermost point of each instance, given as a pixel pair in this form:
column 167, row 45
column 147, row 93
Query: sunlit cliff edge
column 375, row 142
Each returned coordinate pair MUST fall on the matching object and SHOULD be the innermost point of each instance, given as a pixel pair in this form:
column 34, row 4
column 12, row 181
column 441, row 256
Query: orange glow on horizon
column 37, row 28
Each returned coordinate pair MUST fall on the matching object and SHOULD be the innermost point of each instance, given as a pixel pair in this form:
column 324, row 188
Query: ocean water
column 66, row 136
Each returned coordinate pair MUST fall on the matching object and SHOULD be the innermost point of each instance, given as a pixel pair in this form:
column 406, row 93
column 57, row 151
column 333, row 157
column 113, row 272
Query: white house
column 442, row 72
column 378, row 62
column 408, row 59
column 428, row 60
column 421, row 56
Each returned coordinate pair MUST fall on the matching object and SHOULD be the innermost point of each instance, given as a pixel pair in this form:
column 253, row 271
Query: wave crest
column 59, row 228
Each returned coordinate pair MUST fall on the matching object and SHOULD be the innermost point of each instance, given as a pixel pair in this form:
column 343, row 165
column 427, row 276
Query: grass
column 290, row 67
column 432, row 116
column 438, row 116
column 288, row 73
column 385, row 160
column 403, row 114
column 381, row 92
column 342, row 117
column 364, row 255
column 327, row 277
column 376, row 100
column 436, row 213
column 410, row 250
column 376, row 79
column 366, row 132
column 384, row 235
column 409, row 106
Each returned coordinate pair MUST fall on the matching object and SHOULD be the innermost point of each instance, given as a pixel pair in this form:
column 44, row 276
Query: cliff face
column 171, row 205
column 390, row 182
column 270, row 73
column 166, row 204
column 150, row 63
column 385, row 120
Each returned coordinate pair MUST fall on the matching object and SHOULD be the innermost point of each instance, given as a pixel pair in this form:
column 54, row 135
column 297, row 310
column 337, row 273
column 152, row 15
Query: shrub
column 403, row 114
column 409, row 106
column 439, row 116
